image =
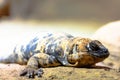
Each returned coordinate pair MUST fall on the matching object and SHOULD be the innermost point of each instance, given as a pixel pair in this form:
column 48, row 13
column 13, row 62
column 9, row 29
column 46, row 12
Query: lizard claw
column 31, row 72
column 39, row 72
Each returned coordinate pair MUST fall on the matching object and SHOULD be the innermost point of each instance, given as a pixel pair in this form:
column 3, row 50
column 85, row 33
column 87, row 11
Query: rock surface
column 11, row 72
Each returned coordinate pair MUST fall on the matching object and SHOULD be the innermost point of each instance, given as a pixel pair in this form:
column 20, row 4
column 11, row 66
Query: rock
column 12, row 71
column 109, row 34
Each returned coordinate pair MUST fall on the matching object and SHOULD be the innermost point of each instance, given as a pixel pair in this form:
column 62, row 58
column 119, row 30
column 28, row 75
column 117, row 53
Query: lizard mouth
column 95, row 48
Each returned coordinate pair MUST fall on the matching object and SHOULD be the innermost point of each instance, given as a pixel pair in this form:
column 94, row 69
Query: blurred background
column 78, row 17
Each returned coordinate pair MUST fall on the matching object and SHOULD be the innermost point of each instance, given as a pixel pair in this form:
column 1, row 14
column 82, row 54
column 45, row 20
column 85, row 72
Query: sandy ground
column 11, row 72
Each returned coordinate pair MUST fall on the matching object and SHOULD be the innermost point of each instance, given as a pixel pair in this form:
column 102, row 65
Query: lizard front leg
column 64, row 61
column 35, row 64
column 62, row 57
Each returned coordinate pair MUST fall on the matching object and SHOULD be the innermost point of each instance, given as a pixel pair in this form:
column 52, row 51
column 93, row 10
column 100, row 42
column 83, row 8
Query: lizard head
column 95, row 48
column 87, row 52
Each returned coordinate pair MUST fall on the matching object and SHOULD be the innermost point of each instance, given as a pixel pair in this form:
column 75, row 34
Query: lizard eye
column 76, row 45
column 75, row 48
column 92, row 46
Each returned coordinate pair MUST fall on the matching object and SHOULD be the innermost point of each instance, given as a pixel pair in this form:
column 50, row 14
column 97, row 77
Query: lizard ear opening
column 74, row 45
column 73, row 49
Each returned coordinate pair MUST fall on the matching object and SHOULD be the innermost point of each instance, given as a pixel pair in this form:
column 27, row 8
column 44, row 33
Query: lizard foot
column 31, row 72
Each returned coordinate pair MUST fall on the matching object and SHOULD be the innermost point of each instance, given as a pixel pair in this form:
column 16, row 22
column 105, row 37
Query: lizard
column 56, row 49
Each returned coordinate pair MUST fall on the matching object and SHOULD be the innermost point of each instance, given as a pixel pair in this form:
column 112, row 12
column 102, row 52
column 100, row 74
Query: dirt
column 11, row 72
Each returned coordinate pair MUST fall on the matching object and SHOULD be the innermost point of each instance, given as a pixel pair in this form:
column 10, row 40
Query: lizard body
column 56, row 49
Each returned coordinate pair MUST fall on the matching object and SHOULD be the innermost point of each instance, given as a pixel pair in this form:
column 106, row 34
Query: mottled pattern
column 55, row 49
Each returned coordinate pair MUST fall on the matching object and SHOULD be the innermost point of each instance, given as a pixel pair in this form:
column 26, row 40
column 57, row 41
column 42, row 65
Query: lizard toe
column 39, row 72
column 28, row 72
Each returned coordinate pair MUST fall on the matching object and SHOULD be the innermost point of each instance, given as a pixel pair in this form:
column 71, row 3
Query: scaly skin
column 57, row 49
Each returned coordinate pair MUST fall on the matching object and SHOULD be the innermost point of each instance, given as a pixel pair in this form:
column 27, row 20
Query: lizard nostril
column 105, row 50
